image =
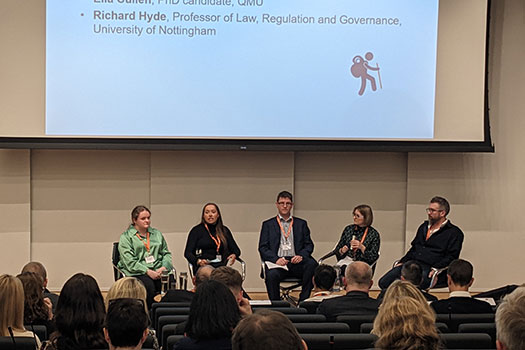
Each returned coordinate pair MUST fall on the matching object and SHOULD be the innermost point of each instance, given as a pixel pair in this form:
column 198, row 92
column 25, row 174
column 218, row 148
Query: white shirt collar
column 460, row 293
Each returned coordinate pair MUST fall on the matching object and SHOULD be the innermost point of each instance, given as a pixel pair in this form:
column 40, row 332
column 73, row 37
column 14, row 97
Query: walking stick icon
column 379, row 76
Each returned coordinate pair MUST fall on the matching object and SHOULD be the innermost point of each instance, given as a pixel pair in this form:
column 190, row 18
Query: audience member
column 459, row 279
column 266, row 330
column 285, row 244
column 79, row 316
column 411, row 272
column 12, row 309
column 436, row 244
column 358, row 280
column 213, row 315
column 126, row 325
column 324, row 279
column 403, row 289
column 40, row 270
column 233, row 280
column 181, row 295
column 37, row 310
column 406, row 323
column 131, row 287
column 510, row 321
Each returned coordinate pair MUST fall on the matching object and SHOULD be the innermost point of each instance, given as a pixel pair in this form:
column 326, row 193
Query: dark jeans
column 304, row 270
column 153, row 288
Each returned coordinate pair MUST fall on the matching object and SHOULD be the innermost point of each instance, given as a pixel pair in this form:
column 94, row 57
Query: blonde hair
column 127, row 287
column 403, row 289
column 11, row 304
column 406, row 323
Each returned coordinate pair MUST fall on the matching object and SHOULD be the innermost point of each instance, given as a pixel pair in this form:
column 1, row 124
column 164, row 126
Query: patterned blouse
column 372, row 243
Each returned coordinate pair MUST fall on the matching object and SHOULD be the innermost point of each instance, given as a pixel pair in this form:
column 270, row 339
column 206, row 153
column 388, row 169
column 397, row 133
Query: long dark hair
column 220, row 231
column 79, row 315
column 34, row 307
column 213, row 312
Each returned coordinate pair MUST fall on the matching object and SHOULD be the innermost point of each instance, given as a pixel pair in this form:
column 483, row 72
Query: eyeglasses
column 431, row 210
column 285, row 204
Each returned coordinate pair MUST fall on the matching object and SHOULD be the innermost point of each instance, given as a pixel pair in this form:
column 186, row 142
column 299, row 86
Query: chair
column 169, row 311
column 326, row 327
column 237, row 260
column 39, row 329
column 487, row 328
column 310, row 306
column 355, row 321
column 454, row 320
column 172, row 340
column 115, row 258
column 339, row 341
column 285, row 310
column 466, row 340
column 438, row 280
column 303, row 318
column 441, row 327
column 269, row 303
column 17, row 343
column 285, row 286
column 155, row 306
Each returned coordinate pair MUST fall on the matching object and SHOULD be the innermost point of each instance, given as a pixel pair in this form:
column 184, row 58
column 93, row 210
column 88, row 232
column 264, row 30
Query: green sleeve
column 166, row 255
column 130, row 262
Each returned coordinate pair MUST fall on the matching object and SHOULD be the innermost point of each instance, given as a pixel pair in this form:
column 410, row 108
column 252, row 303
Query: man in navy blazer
column 285, row 241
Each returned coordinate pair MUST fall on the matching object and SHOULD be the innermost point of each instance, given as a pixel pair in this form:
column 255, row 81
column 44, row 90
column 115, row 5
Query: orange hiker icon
column 360, row 70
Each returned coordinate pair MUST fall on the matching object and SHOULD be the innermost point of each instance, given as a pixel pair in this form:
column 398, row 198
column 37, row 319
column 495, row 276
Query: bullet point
column 82, row 15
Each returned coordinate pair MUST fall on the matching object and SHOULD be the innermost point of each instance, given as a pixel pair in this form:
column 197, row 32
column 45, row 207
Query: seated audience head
column 264, row 330
column 79, row 315
column 126, row 324
column 38, row 268
column 403, row 289
column 202, row 274
column 213, row 312
column 510, row 321
column 127, row 287
column 406, row 323
column 35, row 309
column 324, row 277
column 411, row 272
column 358, row 276
column 459, row 275
column 365, row 211
column 11, row 304
column 230, row 277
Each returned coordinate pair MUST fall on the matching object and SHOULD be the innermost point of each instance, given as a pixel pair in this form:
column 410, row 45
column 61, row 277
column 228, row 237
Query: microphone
column 12, row 335
column 332, row 253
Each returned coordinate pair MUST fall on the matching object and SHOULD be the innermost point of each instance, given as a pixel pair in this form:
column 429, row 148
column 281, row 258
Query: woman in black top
column 210, row 242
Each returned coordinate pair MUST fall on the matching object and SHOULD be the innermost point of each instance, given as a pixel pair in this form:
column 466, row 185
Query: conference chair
column 454, row 320
column 303, row 318
column 325, row 327
column 237, row 261
column 17, row 343
column 284, row 310
column 286, row 286
column 115, row 258
column 310, row 306
column 39, row 329
column 355, row 321
column 339, row 341
column 169, row 311
column 466, row 340
column 441, row 327
column 487, row 328
column 171, row 341
column 170, row 321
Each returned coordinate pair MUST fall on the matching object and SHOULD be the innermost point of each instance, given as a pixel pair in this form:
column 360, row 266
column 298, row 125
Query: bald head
column 358, row 276
column 203, row 274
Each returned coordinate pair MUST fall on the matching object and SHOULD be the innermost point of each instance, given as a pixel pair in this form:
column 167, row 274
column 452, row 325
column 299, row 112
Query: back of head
column 400, row 289
column 127, row 287
column 460, row 271
column 324, row 277
column 406, row 324
column 213, row 312
column 203, row 274
column 228, row 276
column 358, row 274
column 80, row 313
column 34, row 307
column 411, row 272
column 265, row 330
column 11, row 304
column 510, row 320
column 36, row 267
column 126, row 322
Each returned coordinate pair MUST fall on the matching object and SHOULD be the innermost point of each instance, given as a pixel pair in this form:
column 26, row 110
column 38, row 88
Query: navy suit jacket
column 270, row 239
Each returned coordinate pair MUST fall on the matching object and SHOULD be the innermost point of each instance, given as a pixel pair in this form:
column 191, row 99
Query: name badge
column 287, row 246
column 150, row 259
column 218, row 257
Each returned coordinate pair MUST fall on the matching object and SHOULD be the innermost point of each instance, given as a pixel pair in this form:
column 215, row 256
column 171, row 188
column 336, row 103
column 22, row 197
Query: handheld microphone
column 332, row 253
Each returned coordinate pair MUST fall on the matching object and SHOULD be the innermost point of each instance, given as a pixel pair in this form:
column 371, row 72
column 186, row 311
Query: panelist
column 286, row 247
column 437, row 243
column 144, row 252
column 360, row 241
column 210, row 242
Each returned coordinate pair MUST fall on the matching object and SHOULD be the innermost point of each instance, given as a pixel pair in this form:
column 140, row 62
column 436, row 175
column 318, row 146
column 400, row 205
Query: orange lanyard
column 217, row 240
column 285, row 234
column 147, row 240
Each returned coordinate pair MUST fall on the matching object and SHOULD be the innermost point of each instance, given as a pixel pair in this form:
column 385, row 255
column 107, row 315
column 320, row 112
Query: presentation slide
column 264, row 69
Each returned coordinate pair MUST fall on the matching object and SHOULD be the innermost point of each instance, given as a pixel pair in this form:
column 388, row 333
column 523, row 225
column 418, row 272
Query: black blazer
column 461, row 305
column 270, row 239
